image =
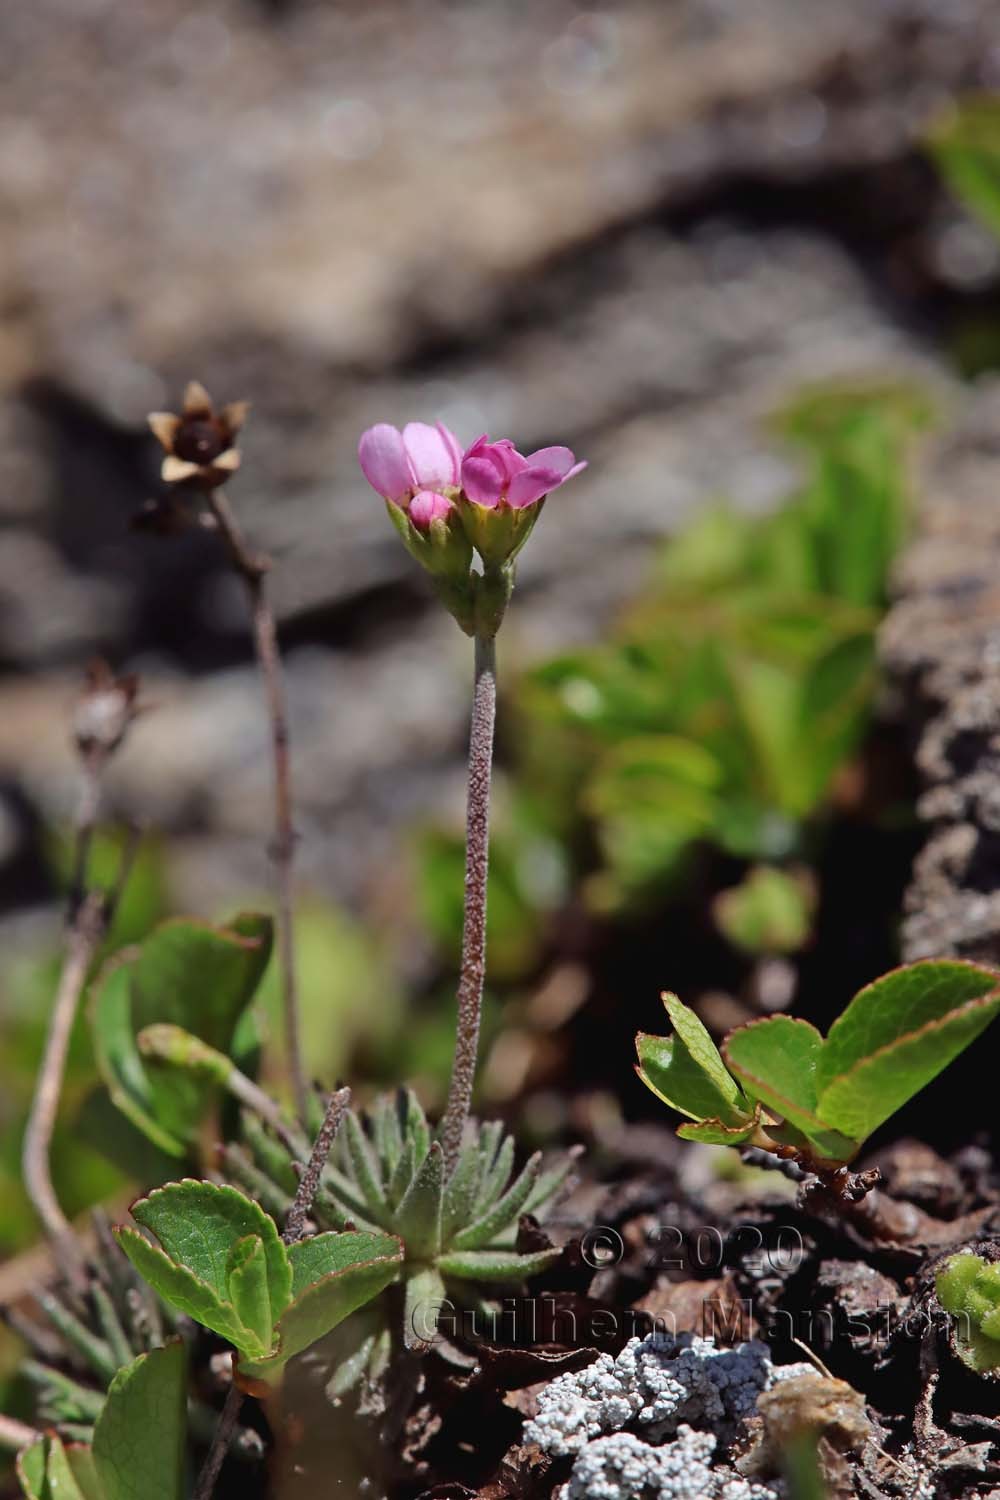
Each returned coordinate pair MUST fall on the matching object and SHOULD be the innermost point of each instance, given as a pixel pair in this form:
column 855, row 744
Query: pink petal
column 560, row 459
column 531, row 484
column 427, row 506
column 507, row 455
column 382, row 455
column 433, row 454
column 482, row 479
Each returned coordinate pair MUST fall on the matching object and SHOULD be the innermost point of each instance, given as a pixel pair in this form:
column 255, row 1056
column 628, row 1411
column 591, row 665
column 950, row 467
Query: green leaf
column 191, row 975
column 246, row 1277
column 198, row 1223
column 424, row 1296
column 84, row 1466
column 770, row 911
column 858, row 1101
column 686, row 1071
column 418, row 1217
column 504, row 1213
column 59, row 1475
column 498, row 1162
column 366, row 1170
column 461, row 1191
column 139, row 1437
column 714, row 1133
column 504, row 1266
column 183, row 1290
column 324, row 1254
column 896, row 1005
column 31, row 1466
column 775, row 1060
column 965, row 143
column 324, row 1304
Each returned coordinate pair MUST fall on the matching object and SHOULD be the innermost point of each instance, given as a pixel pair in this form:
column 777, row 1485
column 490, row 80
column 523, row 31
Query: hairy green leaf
column 418, row 1217
column 496, row 1265
column 504, row 1213
column 188, row 974
column 424, row 1299
column 139, row 1436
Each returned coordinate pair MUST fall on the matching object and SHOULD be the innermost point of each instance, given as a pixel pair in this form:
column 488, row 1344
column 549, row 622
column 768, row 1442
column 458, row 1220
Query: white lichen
column 680, row 1395
column 654, row 1384
column 623, row 1467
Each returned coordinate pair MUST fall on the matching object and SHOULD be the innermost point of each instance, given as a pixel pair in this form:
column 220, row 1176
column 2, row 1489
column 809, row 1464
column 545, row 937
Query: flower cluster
column 446, row 503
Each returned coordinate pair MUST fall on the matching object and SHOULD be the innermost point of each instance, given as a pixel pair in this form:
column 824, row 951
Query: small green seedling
column 221, row 1260
column 138, row 1451
column 780, row 1085
column 969, row 1288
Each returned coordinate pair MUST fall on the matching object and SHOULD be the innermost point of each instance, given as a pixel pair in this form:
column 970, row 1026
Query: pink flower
column 411, row 468
column 494, row 473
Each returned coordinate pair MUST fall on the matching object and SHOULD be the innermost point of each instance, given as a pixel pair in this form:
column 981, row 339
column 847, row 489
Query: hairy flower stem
column 253, row 570
column 477, row 849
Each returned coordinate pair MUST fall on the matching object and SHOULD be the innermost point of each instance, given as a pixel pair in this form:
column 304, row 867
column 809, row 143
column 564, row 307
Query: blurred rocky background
column 633, row 228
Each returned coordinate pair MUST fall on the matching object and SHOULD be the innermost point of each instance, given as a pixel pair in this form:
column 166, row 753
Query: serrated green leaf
column 246, row 1278
column 775, row 1060
column 502, row 1266
column 323, row 1254
column 686, row 1071
column 198, row 1223
column 322, row 1306
column 858, row 1101
column 504, row 1213
column 139, row 1437
column 896, row 1005
column 418, row 1217
column 189, row 974
column 183, row 1290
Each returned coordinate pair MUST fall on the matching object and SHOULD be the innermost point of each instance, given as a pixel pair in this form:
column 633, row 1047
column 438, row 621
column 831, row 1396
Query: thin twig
column 253, row 571
column 224, row 1434
column 477, row 853
column 82, row 941
column 295, row 1224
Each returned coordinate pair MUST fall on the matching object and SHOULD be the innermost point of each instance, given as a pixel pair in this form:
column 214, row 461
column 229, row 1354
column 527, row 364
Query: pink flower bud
column 495, row 474
column 427, row 506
